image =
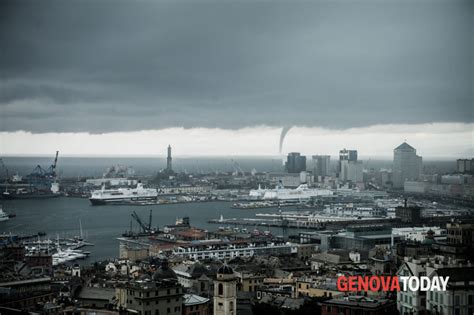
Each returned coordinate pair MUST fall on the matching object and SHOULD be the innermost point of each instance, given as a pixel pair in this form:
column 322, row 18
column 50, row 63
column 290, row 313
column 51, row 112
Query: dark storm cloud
column 103, row 66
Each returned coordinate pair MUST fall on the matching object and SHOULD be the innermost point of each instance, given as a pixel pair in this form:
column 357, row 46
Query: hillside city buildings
column 298, row 231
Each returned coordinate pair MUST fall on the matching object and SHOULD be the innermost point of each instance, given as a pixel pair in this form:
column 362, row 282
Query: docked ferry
column 282, row 193
column 123, row 195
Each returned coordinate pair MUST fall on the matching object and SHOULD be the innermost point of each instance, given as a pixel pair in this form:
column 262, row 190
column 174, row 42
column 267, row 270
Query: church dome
column 427, row 241
column 164, row 272
column 226, row 270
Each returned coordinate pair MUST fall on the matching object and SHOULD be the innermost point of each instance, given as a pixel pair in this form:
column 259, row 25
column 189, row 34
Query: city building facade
column 295, row 163
column 407, row 165
column 321, row 165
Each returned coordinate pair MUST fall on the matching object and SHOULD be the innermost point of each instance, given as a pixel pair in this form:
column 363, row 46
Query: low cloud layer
column 89, row 66
column 446, row 140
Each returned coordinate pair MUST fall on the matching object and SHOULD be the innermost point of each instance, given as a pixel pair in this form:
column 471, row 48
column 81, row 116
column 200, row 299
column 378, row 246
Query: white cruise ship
column 281, row 193
column 123, row 195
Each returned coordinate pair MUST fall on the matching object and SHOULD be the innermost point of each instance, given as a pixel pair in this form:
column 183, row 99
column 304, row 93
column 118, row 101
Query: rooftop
column 457, row 274
column 90, row 293
column 192, row 299
column 359, row 301
column 405, row 146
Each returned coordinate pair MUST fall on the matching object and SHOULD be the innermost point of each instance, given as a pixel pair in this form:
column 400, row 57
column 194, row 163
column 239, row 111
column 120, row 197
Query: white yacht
column 3, row 215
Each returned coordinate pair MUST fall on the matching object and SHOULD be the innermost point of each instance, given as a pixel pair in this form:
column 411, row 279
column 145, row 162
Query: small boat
column 3, row 215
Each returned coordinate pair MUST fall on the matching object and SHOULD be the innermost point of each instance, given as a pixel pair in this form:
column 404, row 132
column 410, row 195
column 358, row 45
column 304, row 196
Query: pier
column 271, row 223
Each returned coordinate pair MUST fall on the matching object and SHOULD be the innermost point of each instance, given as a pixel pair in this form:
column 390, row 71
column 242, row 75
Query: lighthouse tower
column 225, row 292
column 169, row 167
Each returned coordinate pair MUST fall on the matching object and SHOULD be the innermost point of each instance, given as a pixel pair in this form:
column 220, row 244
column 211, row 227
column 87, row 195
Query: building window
column 220, row 289
column 168, row 310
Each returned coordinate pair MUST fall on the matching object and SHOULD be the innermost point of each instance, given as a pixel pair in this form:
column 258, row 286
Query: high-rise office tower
column 346, row 155
column 321, row 165
column 350, row 155
column 352, row 171
column 295, row 163
column 465, row 165
column 349, row 168
column 406, row 164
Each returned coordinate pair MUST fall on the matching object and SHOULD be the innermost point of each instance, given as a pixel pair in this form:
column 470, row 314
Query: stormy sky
column 119, row 66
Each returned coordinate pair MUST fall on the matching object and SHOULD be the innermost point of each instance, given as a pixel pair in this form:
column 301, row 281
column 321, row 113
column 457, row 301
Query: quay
column 270, row 223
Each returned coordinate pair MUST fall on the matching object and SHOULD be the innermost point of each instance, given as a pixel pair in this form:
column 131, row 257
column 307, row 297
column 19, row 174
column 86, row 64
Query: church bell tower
column 225, row 292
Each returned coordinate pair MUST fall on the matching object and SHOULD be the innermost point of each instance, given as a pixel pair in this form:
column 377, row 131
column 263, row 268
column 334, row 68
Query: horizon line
column 264, row 156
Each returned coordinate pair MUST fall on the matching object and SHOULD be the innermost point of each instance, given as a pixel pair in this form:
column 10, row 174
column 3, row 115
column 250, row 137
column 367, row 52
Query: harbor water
column 102, row 225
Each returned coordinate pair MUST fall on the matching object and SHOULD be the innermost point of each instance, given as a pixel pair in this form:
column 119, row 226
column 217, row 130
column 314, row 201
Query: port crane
column 52, row 168
column 49, row 173
column 145, row 228
column 41, row 179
